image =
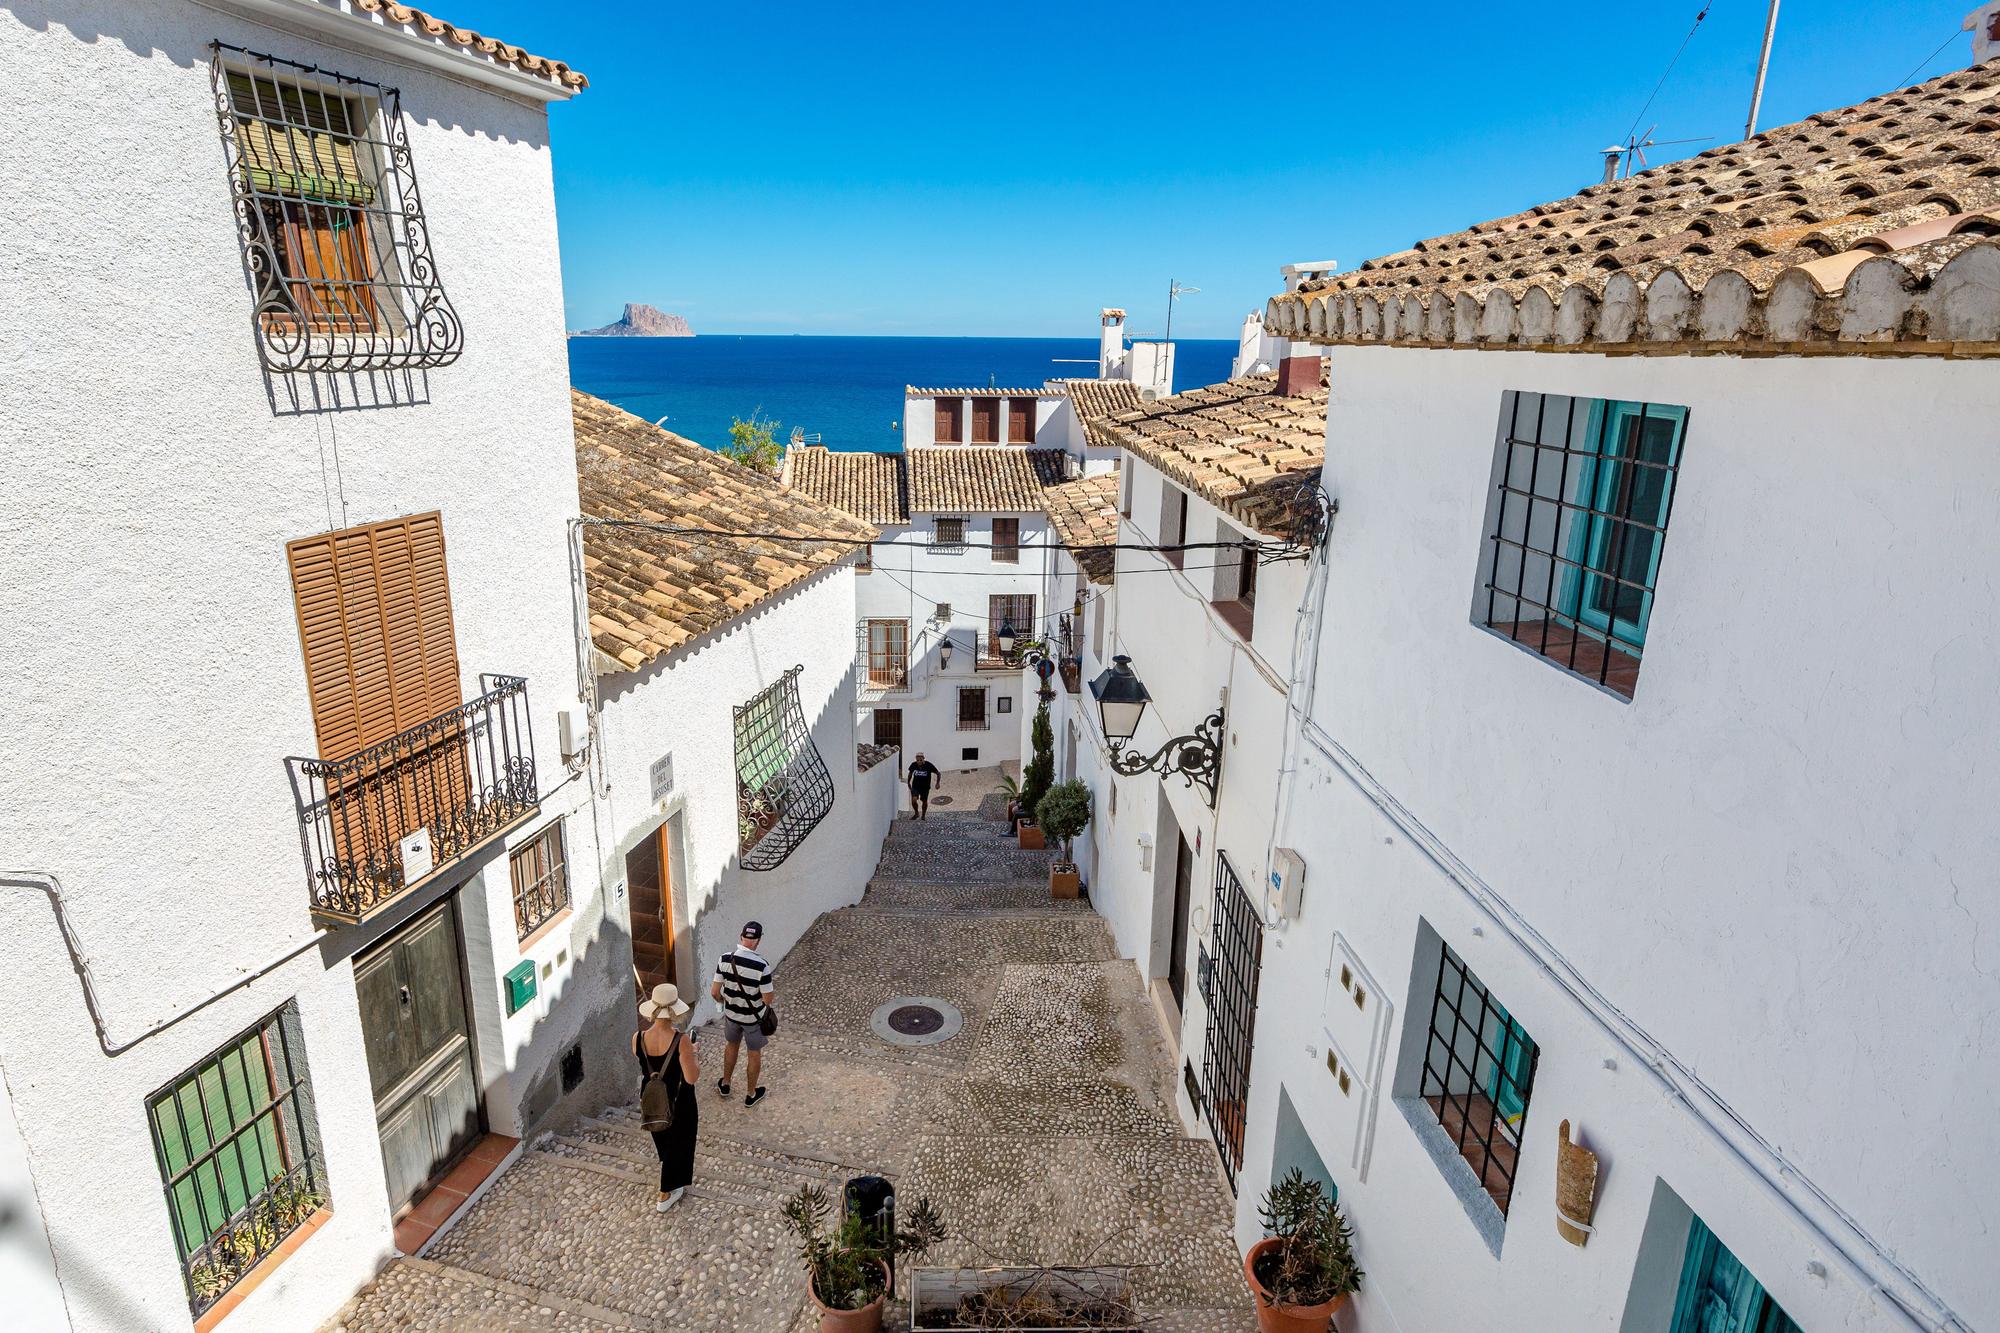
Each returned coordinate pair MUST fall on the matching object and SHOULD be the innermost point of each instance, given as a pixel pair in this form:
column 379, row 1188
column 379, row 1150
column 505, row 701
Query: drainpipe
column 80, row 960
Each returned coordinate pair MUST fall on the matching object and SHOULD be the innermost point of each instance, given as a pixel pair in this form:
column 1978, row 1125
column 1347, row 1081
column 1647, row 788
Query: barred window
column 1582, row 489
column 1478, row 1074
column 540, row 870
column 972, row 708
column 327, row 211
column 239, row 1153
column 948, row 534
column 783, row 788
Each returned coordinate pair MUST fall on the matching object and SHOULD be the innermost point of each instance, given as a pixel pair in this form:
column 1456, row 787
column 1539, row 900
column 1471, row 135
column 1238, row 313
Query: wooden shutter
column 1020, row 421
column 986, row 421
column 1007, row 541
column 947, row 431
column 375, row 627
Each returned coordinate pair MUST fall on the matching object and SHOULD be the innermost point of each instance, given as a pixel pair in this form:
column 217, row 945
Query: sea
column 843, row 392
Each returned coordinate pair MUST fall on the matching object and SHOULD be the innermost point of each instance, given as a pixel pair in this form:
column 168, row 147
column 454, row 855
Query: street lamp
column 1121, row 701
column 1004, row 640
column 944, row 652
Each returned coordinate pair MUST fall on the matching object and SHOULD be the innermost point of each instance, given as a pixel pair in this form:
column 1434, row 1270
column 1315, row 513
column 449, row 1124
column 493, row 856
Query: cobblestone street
column 1043, row 1129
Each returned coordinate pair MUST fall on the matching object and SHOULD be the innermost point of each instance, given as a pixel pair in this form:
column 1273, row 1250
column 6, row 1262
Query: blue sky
column 1006, row 169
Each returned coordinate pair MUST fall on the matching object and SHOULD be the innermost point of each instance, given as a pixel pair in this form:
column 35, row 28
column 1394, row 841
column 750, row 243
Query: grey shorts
column 748, row 1033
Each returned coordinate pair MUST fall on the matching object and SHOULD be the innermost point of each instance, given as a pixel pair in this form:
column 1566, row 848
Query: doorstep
column 450, row 1197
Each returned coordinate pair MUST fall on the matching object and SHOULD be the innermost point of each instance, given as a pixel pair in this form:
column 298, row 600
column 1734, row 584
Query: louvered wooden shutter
column 1021, row 421
column 375, row 626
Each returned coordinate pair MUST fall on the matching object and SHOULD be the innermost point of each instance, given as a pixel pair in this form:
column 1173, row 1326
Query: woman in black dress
column 664, row 1049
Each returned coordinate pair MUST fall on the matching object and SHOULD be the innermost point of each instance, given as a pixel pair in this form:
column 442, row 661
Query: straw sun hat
column 666, row 1003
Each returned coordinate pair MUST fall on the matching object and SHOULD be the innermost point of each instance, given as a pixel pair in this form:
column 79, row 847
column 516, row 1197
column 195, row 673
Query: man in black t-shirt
column 922, row 774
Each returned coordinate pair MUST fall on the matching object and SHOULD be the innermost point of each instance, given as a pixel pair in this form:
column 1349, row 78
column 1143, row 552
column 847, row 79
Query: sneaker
column 670, row 1200
column 722, row 1086
column 755, row 1097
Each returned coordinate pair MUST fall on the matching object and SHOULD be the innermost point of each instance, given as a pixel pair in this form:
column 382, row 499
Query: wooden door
column 986, row 421
column 1183, row 898
column 649, row 898
column 889, row 727
column 947, row 424
column 419, row 1045
column 1020, row 421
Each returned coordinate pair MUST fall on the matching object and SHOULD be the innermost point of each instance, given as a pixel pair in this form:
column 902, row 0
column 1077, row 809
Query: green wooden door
column 419, row 1047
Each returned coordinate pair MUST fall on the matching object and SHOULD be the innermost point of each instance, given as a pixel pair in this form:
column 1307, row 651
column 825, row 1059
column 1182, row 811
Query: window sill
column 251, row 1280
column 1480, row 1210
column 1579, row 655
column 1239, row 617
column 535, row 936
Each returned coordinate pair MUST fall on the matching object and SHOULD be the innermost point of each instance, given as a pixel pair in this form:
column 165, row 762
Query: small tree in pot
column 1037, row 774
column 1304, row 1270
column 1063, row 814
column 848, row 1266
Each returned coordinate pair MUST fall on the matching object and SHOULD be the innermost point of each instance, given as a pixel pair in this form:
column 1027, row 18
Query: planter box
column 935, row 1294
column 1031, row 838
column 1065, row 883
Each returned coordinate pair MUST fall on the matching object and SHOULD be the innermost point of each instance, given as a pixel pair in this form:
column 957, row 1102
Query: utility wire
column 1670, row 69
column 1904, row 82
column 682, row 530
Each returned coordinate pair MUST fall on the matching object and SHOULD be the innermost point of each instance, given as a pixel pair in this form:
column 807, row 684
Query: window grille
column 1229, row 989
column 948, row 534
column 783, row 788
column 888, row 649
column 1004, row 609
column 1478, row 1075
column 333, row 232
column 239, row 1154
column 541, row 881
column 1583, row 489
column 971, row 708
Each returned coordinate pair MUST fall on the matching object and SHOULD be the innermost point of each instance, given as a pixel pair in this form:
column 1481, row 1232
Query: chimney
column 1299, row 374
column 1111, row 344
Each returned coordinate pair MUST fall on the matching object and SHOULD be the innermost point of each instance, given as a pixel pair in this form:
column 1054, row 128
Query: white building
column 289, row 474
column 722, row 666
column 1643, row 786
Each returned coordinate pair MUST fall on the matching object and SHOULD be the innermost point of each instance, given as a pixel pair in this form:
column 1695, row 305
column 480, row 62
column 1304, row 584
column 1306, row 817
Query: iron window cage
column 1583, row 492
column 783, row 787
column 948, row 534
column 972, row 708
column 1478, row 1076
column 332, row 228
column 540, row 872
column 1228, row 977
column 238, row 1147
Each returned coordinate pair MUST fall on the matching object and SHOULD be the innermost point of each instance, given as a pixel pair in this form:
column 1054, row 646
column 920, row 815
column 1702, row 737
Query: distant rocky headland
column 641, row 321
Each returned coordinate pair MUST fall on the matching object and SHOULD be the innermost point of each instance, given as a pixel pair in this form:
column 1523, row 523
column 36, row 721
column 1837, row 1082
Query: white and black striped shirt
column 744, row 977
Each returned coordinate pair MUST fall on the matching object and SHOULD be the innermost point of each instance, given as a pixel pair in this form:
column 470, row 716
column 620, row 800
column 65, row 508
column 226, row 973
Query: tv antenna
column 1618, row 158
column 800, row 437
column 1175, row 291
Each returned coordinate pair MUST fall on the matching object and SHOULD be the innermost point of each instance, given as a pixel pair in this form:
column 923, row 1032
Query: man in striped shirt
column 742, row 986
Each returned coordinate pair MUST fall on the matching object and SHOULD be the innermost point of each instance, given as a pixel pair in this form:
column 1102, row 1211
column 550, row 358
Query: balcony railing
column 382, row 821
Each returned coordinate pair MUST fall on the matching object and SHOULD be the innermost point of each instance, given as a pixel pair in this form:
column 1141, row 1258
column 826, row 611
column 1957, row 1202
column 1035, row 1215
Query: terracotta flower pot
column 868, row 1319
column 1272, row 1318
column 1031, row 838
column 1065, row 883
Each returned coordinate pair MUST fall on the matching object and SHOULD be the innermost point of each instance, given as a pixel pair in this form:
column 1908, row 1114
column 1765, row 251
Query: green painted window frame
column 238, row 1148
column 1616, row 514
column 1719, row 1295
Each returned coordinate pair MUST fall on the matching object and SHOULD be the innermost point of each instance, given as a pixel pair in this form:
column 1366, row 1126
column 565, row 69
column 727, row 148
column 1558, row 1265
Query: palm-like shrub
column 846, row 1262
column 1315, row 1261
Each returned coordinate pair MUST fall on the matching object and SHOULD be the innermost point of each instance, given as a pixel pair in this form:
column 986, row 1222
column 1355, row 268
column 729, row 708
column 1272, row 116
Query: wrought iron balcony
column 391, row 817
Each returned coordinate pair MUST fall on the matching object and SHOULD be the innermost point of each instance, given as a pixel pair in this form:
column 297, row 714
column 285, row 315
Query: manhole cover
column 917, row 1020
column 940, row 800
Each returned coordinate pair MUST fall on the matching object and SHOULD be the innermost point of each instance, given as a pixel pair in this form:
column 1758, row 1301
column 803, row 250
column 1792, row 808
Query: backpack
column 656, row 1097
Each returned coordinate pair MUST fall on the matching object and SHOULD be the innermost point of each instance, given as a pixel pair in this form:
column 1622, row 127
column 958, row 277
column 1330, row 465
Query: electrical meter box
column 1288, row 881
column 520, row 986
column 572, row 731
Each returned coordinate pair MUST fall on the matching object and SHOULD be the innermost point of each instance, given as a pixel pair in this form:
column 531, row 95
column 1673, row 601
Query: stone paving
column 1044, row 1131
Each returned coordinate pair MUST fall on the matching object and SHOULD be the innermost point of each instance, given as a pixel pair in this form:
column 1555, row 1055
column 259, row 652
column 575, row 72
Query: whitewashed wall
column 1775, row 859
column 908, row 582
column 683, row 705
column 151, row 654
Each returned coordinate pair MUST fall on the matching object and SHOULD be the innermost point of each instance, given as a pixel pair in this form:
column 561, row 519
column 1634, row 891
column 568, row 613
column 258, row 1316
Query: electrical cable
column 1669, row 72
column 1904, row 82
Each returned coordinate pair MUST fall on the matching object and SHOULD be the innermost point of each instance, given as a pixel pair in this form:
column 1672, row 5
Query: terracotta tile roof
column 871, row 486
column 1863, row 229
column 978, row 478
column 1095, row 400
column 866, row 756
column 426, row 27
column 1246, row 449
column 1054, row 389
column 1085, row 515
column 651, row 592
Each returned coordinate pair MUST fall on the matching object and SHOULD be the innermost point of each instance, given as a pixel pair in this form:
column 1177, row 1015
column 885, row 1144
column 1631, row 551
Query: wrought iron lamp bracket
column 1196, row 759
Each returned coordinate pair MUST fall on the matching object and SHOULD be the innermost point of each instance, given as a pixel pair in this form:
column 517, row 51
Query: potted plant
column 1036, row 775
column 1011, row 789
column 848, row 1267
column 1063, row 814
column 1304, row 1269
